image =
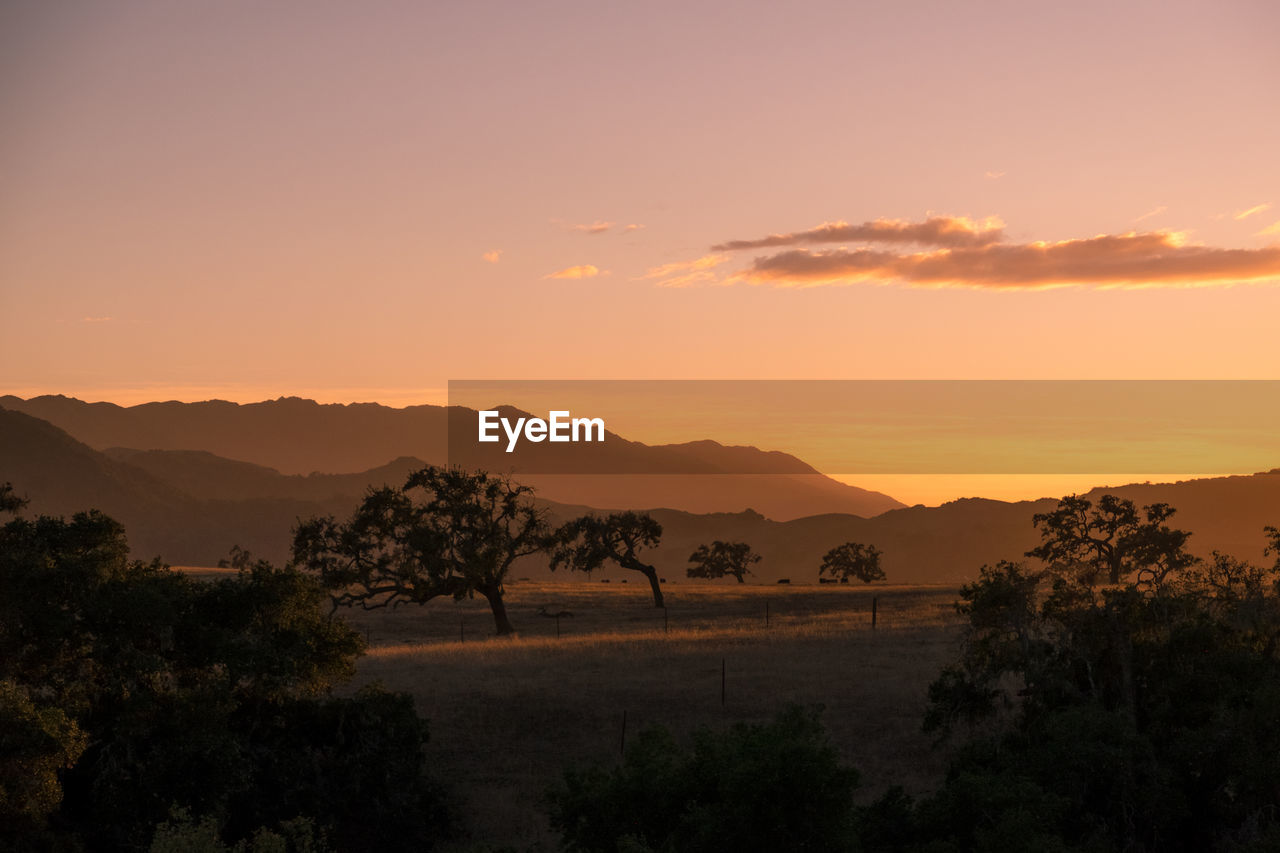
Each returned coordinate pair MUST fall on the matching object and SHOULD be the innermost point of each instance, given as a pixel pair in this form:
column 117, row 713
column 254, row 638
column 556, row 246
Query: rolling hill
column 298, row 437
column 190, row 507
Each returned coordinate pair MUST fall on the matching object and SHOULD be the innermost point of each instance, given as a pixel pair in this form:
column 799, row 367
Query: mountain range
column 298, row 437
column 191, row 505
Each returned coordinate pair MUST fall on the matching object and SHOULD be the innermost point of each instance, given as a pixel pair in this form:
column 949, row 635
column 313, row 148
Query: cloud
column 492, row 256
column 1155, row 211
column 934, row 231
column 686, row 273
column 580, row 271
column 1247, row 212
column 991, row 176
column 597, row 227
column 1154, row 259
column 95, row 319
column 633, row 227
column 1271, row 230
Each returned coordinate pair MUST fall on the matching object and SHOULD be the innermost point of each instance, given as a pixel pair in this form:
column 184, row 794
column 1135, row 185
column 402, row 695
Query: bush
column 776, row 787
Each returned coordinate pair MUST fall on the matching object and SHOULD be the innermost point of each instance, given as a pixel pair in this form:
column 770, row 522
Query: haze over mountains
column 190, row 505
column 295, row 436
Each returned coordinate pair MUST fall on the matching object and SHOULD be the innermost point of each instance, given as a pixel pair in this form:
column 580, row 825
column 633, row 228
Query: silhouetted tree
column 587, row 543
column 119, row 679
column 446, row 532
column 1113, row 539
column 853, row 559
column 10, row 502
column 722, row 558
column 1133, row 716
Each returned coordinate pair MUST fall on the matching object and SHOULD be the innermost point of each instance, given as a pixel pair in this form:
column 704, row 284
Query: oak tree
column 1113, row 539
column 585, row 544
column 445, row 532
column 722, row 558
column 853, row 560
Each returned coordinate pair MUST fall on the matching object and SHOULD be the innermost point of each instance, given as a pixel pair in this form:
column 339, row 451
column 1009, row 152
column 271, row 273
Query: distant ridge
column 297, row 436
column 182, row 506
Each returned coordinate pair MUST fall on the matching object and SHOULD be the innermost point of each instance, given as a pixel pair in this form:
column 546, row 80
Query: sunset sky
column 363, row 201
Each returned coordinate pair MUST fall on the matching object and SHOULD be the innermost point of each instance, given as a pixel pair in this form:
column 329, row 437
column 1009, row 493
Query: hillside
column 183, row 507
column 298, row 437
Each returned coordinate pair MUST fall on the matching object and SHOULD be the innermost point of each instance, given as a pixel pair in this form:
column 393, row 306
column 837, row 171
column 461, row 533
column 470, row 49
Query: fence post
column 873, row 611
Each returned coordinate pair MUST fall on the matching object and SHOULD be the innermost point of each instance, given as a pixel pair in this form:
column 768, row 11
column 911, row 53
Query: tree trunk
column 500, row 621
column 652, row 574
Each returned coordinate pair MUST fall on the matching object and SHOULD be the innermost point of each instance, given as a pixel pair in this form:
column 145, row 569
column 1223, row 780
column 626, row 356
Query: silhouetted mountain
column 62, row 476
column 297, row 436
column 175, row 505
column 948, row 543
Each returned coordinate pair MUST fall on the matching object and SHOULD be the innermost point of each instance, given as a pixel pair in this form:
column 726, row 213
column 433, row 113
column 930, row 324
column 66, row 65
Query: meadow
column 508, row 715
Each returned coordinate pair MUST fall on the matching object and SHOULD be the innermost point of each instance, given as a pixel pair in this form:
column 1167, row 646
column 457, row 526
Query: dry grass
column 508, row 715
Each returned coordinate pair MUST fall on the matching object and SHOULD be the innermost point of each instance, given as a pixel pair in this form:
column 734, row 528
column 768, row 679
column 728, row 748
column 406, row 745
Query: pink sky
column 362, row 201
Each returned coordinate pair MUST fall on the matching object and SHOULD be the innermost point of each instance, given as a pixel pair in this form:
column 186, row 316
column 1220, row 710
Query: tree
column 444, row 532
column 1133, row 716
column 1114, row 540
column 10, row 502
column 853, row 559
column 586, row 543
column 722, row 558
column 117, row 677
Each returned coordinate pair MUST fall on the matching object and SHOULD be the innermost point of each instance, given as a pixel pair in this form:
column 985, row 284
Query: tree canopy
column 445, row 532
column 1112, row 540
column 852, row 560
column 721, row 559
column 585, row 544
column 129, row 690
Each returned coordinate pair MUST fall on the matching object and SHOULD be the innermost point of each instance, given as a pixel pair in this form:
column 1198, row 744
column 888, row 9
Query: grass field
column 508, row 715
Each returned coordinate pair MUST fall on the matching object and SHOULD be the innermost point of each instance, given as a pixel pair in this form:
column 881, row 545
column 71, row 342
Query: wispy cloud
column 991, row 176
column 686, row 273
column 95, row 319
column 579, row 271
column 597, row 227
column 1271, row 230
column 1155, row 211
column 493, row 255
column 1250, row 211
column 634, row 226
column 1155, row 259
column 934, row 231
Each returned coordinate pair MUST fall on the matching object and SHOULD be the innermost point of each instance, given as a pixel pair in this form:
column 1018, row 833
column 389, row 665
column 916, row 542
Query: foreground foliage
column 1139, row 717
column 1142, row 717
column 128, row 690
column 776, row 787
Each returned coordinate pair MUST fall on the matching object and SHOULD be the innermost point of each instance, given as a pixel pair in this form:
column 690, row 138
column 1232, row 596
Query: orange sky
column 363, row 201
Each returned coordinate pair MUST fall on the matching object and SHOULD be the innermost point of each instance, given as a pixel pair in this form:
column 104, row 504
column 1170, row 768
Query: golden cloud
column 579, row 271
column 597, row 227
column 1156, row 259
column 1250, row 211
column 939, row 231
column 686, row 273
